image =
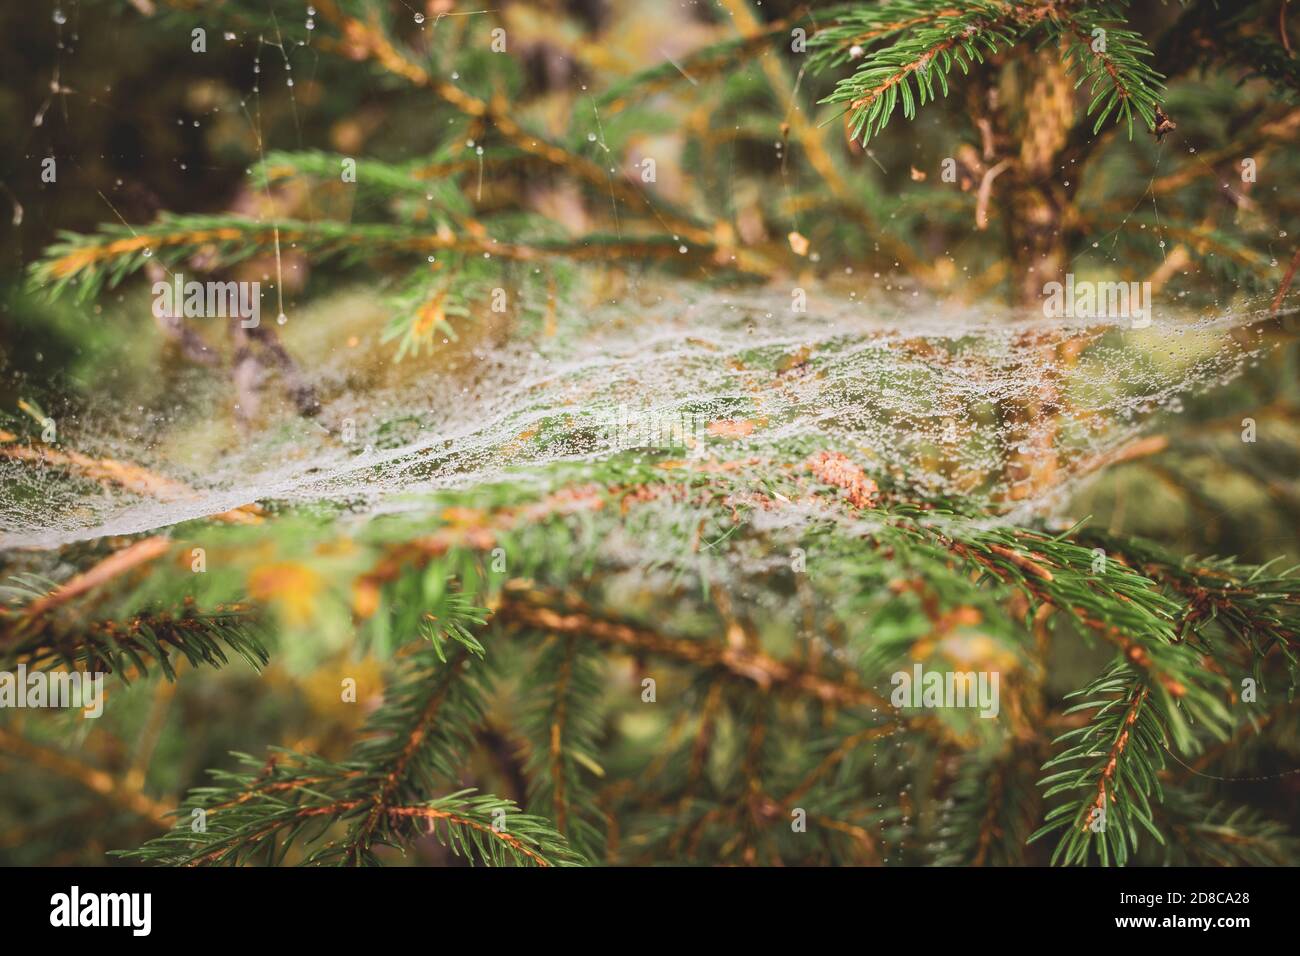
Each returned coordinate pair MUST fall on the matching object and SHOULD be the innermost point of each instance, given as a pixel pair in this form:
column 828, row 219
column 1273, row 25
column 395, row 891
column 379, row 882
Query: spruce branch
column 562, row 722
column 1208, row 832
column 991, row 809
column 126, row 647
column 1113, row 60
column 905, row 71
column 383, row 795
column 1117, row 757
column 88, row 264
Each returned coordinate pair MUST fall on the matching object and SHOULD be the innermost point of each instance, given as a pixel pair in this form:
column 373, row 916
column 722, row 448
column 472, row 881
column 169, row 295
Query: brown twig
column 98, row 781
column 1117, row 751
column 1286, row 282
column 132, row 556
column 522, row 607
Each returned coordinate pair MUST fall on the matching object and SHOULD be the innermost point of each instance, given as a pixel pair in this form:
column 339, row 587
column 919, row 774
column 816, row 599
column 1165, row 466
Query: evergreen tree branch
column 904, row 72
column 417, row 738
column 1117, row 758
column 1113, row 59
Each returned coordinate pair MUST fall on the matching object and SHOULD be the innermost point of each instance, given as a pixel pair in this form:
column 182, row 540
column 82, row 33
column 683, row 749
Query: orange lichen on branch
column 837, row 469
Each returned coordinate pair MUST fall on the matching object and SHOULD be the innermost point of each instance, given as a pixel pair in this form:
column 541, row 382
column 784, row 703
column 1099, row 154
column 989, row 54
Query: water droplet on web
column 419, row 18
column 281, row 319
column 147, row 252
column 591, row 137
column 60, row 17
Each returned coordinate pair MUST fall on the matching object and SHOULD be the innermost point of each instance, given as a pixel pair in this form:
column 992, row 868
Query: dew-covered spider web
column 940, row 399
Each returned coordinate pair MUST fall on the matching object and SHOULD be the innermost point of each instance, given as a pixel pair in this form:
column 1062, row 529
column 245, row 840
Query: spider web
column 940, row 398
column 915, row 391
